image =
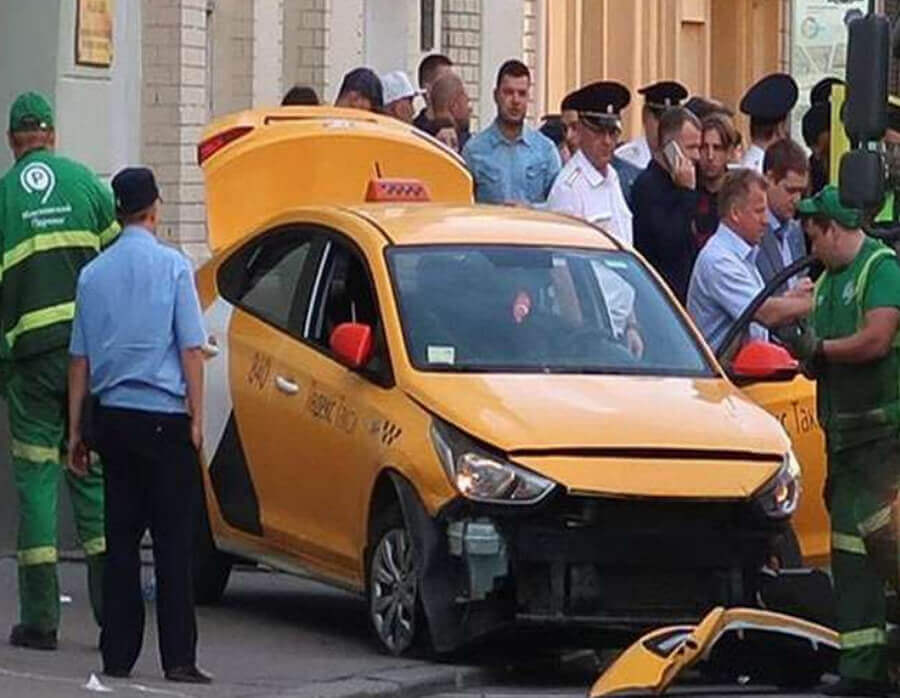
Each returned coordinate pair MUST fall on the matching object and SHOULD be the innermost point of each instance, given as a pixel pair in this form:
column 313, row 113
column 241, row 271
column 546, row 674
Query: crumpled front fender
column 655, row 660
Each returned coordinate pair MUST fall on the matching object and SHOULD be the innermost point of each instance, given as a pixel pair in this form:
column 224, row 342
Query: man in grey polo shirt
column 725, row 278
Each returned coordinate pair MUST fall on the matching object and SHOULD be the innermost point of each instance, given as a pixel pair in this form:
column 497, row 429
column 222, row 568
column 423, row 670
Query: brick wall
column 174, row 112
column 306, row 31
column 268, row 51
column 461, row 40
column 232, row 59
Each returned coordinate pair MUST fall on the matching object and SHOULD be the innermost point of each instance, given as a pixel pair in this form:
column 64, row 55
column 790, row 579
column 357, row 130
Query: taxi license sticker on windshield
column 441, row 355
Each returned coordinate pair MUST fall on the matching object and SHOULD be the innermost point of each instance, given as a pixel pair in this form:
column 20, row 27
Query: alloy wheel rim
column 394, row 590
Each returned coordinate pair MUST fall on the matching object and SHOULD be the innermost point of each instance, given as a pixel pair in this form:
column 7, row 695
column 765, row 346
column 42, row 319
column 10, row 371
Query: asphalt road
column 272, row 635
column 275, row 635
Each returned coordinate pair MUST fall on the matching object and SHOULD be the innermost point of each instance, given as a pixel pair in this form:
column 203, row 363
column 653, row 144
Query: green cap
column 30, row 112
column 828, row 203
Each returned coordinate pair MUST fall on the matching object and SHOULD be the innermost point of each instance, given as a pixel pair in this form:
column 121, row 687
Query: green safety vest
column 55, row 216
column 857, row 403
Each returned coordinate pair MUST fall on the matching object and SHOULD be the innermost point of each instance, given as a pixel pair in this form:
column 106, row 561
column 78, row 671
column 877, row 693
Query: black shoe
column 188, row 674
column 117, row 673
column 23, row 636
column 855, row 687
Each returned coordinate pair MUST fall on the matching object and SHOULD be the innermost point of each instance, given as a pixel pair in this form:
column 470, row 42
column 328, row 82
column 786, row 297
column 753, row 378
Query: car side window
column 272, row 277
column 348, row 296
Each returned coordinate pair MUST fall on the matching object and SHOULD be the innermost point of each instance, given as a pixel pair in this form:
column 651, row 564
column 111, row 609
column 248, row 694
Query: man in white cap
column 398, row 96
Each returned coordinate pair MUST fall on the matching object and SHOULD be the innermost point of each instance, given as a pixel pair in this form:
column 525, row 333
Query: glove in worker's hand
column 800, row 339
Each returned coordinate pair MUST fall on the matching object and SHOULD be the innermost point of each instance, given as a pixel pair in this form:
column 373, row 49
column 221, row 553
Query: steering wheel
column 585, row 339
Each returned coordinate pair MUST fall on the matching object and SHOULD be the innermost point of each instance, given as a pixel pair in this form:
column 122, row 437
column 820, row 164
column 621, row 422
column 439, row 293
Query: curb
column 411, row 682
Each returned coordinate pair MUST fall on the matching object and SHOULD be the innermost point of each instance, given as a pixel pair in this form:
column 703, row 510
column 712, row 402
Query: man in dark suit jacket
column 786, row 169
column 664, row 200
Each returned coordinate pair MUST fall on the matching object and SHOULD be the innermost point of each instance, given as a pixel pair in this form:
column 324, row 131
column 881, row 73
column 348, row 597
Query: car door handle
column 286, row 385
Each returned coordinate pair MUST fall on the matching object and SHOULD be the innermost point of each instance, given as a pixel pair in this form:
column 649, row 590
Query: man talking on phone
column 665, row 200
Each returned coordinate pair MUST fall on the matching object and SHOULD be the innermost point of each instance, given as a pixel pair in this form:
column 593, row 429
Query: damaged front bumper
column 655, row 660
column 603, row 563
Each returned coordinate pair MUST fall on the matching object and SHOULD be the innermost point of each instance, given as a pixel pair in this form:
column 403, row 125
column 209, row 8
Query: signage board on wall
column 94, row 33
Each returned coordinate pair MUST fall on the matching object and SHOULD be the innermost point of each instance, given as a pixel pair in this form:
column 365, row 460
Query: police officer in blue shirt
column 136, row 347
column 509, row 161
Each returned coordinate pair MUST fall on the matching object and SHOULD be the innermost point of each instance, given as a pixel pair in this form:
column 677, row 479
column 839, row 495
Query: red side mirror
column 764, row 361
column 351, row 343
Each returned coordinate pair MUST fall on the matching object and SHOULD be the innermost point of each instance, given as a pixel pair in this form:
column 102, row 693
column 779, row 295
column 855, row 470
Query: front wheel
column 393, row 588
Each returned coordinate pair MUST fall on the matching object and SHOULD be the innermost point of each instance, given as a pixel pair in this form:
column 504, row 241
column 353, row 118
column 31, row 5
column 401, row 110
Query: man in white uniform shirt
column 588, row 186
column 768, row 103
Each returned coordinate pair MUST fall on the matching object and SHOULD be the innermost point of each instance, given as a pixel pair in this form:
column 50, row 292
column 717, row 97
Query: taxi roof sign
column 406, row 190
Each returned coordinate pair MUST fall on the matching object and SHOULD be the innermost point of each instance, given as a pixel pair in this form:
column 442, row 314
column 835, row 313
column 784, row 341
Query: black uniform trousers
column 151, row 476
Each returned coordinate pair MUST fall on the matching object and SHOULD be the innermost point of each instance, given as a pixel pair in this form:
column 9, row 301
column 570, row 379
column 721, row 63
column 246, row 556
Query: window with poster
column 819, row 44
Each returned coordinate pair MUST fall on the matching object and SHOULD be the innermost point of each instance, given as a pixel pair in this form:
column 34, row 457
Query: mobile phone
column 672, row 154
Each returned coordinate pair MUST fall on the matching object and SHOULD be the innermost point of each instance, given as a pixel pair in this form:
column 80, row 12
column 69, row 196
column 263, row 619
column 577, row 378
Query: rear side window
column 271, row 278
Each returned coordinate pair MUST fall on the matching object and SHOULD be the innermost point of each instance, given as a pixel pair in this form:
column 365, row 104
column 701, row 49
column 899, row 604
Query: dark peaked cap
column 703, row 107
column 821, row 91
column 665, row 94
column 771, row 98
column 599, row 104
column 816, row 120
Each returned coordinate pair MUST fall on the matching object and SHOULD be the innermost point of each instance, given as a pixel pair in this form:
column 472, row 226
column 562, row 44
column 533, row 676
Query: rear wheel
column 211, row 567
column 393, row 586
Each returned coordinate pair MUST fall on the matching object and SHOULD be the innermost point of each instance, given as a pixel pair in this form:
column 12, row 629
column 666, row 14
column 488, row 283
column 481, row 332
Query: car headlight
column 779, row 499
column 483, row 476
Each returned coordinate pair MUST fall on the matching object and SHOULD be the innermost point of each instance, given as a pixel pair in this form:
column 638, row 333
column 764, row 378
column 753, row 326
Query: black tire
column 786, row 548
column 393, row 607
column 210, row 566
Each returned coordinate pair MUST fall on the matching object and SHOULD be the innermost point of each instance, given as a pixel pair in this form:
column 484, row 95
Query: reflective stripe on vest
column 37, row 319
column 50, row 241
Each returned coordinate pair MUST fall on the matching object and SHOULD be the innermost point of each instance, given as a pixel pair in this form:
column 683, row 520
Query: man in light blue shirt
column 786, row 169
column 725, row 279
column 137, row 341
column 510, row 162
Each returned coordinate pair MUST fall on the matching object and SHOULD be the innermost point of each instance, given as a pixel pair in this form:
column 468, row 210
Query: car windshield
column 496, row 308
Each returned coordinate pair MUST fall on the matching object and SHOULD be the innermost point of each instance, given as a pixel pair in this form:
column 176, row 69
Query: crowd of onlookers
column 688, row 179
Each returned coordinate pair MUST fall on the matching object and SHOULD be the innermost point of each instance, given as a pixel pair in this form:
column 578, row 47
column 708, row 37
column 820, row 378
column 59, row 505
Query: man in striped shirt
column 55, row 216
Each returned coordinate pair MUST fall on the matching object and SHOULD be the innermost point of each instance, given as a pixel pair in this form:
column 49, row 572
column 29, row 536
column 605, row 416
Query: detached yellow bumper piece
column 655, row 661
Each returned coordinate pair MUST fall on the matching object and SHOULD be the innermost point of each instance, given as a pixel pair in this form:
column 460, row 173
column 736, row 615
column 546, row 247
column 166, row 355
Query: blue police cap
column 135, row 189
column 816, row 120
column 659, row 96
column 821, row 91
column 599, row 104
column 770, row 99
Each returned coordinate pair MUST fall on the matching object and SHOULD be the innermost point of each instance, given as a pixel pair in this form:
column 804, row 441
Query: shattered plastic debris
column 94, row 684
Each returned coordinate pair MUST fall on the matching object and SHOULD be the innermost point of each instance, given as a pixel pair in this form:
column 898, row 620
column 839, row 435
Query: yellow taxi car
column 472, row 415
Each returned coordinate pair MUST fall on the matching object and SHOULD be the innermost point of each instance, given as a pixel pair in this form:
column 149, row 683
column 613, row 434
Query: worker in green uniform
column 55, row 216
column 851, row 347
